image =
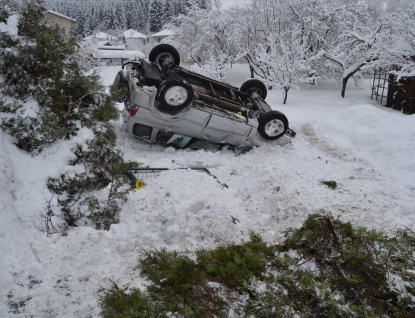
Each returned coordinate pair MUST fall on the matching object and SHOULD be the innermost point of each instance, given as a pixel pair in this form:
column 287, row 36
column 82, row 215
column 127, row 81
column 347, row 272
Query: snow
column 11, row 25
column 102, row 35
column 226, row 4
column 134, row 34
column 163, row 33
column 61, row 15
column 117, row 54
column 367, row 149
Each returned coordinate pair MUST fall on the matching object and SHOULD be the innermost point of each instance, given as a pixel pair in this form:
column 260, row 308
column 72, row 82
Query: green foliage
column 96, row 193
column 119, row 92
column 120, row 303
column 330, row 184
column 40, row 64
column 327, row 268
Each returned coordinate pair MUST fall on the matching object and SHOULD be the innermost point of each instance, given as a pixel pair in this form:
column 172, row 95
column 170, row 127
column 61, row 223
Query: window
column 159, row 40
column 62, row 31
column 172, row 139
column 142, row 131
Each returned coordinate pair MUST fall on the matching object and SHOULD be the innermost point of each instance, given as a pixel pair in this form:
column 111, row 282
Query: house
column 102, row 36
column 107, row 45
column 65, row 24
column 156, row 38
column 108, row 54
column 134, row 39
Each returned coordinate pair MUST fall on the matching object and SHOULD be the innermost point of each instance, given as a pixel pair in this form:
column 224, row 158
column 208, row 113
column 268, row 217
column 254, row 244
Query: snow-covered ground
column 367, row 149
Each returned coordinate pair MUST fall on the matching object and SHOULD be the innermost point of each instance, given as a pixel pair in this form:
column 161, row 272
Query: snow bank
column 365, row 148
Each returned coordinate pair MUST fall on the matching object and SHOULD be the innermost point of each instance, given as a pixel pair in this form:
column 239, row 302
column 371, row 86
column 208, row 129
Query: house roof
column 134, row 34
column 102, row 35
column 117, row 54
column 163, row 33
column 111, row 47
column 61, row 15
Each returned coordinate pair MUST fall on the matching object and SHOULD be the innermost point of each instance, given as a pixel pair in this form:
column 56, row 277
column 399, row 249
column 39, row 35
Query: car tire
column 162, row 54
column 254, row 86
column 121, row 80
column 174, row 95
column 272, row 125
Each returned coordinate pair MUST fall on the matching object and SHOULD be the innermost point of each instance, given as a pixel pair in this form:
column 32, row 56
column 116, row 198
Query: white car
column 172, row 106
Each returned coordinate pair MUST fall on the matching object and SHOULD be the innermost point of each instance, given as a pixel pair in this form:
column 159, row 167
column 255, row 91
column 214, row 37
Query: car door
column 226, row 129
column 191, row 124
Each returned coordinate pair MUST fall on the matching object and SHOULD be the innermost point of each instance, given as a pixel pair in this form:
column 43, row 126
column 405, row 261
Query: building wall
column 61, row 22
column 157, row 39
column 135, row 44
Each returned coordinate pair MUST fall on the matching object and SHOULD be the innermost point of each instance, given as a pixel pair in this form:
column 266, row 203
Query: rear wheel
column 254, row 86
column 164, row 54
column 272, row 125
column 175, row 95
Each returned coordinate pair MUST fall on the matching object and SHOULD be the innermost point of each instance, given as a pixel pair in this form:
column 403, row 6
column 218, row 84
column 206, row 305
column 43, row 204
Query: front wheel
column 272, row 125
column 164, row 54
column 254, row 86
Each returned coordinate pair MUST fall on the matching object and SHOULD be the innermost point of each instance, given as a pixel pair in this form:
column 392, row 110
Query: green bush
column 40, row 65
column 326, row 268
column 76, row 194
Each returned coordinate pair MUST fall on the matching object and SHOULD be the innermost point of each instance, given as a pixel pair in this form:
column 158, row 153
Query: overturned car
column 170, row 105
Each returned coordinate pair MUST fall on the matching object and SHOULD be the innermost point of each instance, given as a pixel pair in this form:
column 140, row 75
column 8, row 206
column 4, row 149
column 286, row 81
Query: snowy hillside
column 367, row 149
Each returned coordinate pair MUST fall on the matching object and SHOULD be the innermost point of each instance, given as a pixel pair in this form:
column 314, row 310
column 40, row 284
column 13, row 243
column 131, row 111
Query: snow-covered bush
column 93, row 195
column 326, row 268
column 41, row 69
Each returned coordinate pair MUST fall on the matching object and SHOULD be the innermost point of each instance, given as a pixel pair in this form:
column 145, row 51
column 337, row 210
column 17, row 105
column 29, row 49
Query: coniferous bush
column 326, row 268
column 93, row 196
column 42, row 66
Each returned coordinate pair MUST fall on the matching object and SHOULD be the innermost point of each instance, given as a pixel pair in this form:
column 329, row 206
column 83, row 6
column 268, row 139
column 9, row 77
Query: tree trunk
column 286, row 89
column 344, row 85
column 252, row 71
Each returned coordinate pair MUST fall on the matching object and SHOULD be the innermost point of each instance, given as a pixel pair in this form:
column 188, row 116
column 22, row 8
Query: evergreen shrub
column 326, row 268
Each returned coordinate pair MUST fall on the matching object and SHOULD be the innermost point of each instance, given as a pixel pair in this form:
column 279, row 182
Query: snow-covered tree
column 168, row 13
column 201, row 38
column 398, row 44
column 281, row 61
column 156, row 16
column 356, row 47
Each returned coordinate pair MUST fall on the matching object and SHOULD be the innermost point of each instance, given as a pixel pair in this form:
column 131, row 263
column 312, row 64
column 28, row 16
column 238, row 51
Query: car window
column 172, row 139
column 142, row 131
column 181, row 141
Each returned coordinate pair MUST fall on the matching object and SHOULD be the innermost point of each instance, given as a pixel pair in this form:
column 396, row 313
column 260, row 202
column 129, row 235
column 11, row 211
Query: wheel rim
column 274, row 127
column 176, row 96
column 255, row 90
column 164, row 58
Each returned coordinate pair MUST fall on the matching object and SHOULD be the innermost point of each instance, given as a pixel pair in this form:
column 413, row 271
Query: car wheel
column 254, row 86
column 175, row 95
column 120, row 81
column 163, row 54
column 272, row 125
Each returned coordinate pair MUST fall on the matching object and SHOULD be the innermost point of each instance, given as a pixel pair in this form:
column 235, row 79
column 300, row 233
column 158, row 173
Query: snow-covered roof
column 134, row 34
column 112, row 47
column 102, row 35
column 61, row 15
column 105, row 43
column 163, row 33
column 117, row 54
